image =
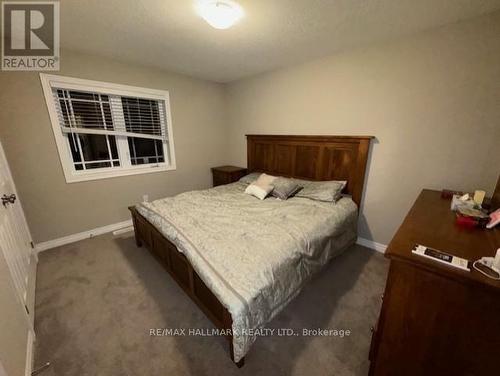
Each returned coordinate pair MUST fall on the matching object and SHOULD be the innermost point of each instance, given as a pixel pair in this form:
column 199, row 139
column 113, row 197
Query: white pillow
column 259, row 191
column 265, row 179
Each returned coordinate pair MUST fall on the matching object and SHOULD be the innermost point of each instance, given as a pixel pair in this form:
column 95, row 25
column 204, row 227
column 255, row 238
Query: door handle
column 8, row 199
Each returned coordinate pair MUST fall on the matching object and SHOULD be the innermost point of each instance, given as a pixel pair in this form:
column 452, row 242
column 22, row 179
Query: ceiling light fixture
column 221, row 14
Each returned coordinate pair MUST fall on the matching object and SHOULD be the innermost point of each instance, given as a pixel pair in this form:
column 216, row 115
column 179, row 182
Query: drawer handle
column 372, row 329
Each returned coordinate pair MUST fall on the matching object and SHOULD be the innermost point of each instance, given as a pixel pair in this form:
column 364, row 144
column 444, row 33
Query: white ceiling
column 170, row 35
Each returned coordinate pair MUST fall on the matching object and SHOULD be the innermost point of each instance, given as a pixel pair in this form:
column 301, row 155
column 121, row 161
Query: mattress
column 254, row 255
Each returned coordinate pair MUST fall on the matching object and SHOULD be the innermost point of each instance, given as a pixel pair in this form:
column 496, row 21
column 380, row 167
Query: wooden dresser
column 435, row 319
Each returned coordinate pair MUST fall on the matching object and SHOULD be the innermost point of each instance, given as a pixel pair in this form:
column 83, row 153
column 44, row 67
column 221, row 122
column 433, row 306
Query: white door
column 15, row 241
column 17, row 280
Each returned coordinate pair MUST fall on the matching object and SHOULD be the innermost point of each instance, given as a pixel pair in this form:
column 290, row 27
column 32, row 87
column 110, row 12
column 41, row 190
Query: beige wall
column 55, row 208
column 432, row 101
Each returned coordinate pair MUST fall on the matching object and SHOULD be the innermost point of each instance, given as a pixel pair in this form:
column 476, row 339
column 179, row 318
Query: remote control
column 442, row 257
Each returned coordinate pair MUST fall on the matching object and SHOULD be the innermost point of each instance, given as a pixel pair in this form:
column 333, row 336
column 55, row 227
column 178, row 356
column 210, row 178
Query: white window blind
column 93, row 113
column 108, row 131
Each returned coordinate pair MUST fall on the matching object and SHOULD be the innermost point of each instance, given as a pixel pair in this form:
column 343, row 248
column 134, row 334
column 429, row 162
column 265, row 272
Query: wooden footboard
column 178, row 266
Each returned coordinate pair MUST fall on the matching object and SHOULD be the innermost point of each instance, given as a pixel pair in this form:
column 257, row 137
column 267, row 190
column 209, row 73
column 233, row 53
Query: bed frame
column 306, row 157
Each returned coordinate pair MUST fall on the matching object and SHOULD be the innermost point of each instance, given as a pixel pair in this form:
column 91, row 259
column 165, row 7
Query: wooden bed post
column 138, row 241
column 227, row 322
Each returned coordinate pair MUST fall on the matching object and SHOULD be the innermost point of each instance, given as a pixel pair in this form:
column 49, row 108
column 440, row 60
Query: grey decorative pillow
column 328, row 191
column 250, row 178
column 284, row 188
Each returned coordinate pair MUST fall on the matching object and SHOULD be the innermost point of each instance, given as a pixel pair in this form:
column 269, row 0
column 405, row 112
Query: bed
column 242, row 260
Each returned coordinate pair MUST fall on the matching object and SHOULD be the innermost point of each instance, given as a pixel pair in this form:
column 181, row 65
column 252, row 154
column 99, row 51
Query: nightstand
column 227, row 174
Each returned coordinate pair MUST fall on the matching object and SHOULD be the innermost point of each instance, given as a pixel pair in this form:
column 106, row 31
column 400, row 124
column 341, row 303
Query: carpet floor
column 97, row 299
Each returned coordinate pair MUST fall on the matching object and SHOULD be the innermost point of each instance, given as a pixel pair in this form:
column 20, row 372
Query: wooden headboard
column 312, row 158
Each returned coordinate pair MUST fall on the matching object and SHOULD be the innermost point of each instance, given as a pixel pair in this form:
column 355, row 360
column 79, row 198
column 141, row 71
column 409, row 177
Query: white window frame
column 50, row 81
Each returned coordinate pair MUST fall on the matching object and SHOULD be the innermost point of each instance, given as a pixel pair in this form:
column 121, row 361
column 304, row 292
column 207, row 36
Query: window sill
column 73, row 177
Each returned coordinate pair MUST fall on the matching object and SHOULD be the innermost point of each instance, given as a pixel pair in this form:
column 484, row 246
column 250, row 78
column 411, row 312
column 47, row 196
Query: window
column 105, row 130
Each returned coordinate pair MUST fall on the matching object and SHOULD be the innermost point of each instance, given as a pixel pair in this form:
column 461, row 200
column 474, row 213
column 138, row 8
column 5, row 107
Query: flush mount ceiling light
column 221, row 14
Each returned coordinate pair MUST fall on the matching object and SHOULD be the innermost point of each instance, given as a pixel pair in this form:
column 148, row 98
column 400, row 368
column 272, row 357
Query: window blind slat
column 111, row 133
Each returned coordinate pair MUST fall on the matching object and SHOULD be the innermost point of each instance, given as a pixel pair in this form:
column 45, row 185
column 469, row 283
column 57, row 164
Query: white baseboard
column 124, row 230
column 379, row 247
column 43, row 246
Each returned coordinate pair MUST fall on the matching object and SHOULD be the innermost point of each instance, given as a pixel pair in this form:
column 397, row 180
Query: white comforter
column 254, row 255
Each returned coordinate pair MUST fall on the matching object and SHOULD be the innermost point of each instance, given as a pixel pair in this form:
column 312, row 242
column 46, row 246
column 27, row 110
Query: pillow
column 265, row 179
column 328, row 191
column 250, row 178
column 259, row 191
column 285, row 188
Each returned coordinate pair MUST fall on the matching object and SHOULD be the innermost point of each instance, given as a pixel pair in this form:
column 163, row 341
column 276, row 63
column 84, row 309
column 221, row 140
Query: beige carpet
column 97, row 299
